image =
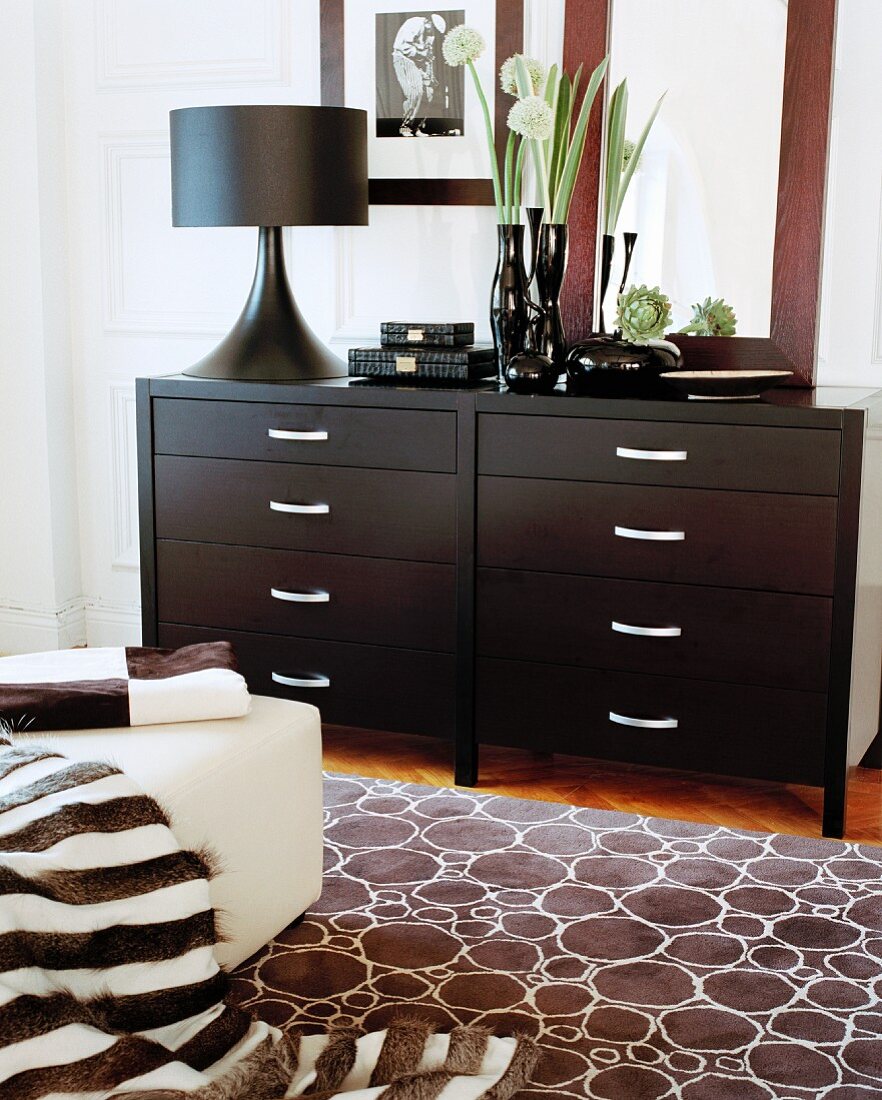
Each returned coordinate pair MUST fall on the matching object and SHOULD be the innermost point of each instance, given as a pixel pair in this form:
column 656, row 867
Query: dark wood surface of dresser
column 682, row 584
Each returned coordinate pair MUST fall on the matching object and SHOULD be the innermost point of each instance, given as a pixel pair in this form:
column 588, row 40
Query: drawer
column 769, row 541
column 371, row 687
column 666, row 629
column 724, row 728
column 647, row 452
column 370, row 513
column 390, row 603
column 325, row 435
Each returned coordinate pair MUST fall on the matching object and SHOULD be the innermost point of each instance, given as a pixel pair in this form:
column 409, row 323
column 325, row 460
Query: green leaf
column 561, row 136
column 551, row 85
column 552, row 92
column 615, row 149
column 509, row 166
column 635, row 157
column 577, row 146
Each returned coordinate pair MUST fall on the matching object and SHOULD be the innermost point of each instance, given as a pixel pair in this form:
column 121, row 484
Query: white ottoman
column 250, row 789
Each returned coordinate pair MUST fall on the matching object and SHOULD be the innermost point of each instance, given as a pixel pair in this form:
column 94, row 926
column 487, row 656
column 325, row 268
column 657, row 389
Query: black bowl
column 725, row 385
column 608, row 366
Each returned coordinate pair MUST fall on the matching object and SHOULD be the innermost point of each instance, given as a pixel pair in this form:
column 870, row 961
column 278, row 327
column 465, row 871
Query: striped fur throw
column 109, row 985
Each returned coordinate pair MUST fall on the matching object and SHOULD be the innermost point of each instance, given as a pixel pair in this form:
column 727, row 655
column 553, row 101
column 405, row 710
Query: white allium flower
column 508, row 76
column 461, row 45
column 532, row 118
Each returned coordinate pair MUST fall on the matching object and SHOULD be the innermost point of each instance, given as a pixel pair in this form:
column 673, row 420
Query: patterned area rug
column 651, row 958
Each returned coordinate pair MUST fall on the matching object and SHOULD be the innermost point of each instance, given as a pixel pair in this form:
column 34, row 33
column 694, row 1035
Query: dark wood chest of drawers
column 671, row 583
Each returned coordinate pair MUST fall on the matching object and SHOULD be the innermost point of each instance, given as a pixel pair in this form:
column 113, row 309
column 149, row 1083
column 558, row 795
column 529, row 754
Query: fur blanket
column 109, row 985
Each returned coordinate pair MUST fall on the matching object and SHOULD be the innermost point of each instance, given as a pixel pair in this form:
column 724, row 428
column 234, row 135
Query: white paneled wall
column 104, row 290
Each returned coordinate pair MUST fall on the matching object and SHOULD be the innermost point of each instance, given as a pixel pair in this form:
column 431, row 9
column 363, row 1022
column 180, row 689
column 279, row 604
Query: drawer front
column 722, row 728
column 370, row 513
column 722, row 634
column 769, row 541
column 326, row 435
column 390, row 603
column 646, row 452
column 371, row 687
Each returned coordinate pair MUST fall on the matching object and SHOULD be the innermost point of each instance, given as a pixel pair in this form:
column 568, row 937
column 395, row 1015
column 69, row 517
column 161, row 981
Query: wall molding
column 28, row 629
column 273, row 66
column 119, row 315
column 123, row 477
column 350, row 327
column 111, row 623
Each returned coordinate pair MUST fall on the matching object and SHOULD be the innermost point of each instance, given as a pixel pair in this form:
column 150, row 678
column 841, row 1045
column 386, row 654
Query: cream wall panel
column 148, row 43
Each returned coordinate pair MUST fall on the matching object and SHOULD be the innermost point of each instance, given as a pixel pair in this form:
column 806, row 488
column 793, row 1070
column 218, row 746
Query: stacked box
column 439, row 352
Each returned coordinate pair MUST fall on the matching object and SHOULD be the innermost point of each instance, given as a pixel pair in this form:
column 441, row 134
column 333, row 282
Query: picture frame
column 407, row 171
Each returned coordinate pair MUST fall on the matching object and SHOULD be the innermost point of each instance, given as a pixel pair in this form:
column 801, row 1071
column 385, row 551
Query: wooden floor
column 692, row 796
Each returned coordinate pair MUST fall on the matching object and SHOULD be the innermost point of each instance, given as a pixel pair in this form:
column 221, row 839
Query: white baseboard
column 112, row 624
column 79, row 622
column 33, row 629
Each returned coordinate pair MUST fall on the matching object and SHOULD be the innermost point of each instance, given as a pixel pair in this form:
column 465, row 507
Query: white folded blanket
column 116, row 686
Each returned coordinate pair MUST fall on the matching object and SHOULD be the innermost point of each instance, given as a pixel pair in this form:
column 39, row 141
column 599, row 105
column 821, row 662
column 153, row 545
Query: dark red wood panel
column 585, row 43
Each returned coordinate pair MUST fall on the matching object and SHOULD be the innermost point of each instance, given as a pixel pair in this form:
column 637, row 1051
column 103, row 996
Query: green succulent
column 712, row 317
column 643, row 314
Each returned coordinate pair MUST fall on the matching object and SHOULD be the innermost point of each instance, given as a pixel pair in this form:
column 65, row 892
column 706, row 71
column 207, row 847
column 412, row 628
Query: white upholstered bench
column 250, row 789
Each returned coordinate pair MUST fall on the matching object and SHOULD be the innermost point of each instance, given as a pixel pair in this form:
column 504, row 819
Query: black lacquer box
column 448, row 334
column 466, row 364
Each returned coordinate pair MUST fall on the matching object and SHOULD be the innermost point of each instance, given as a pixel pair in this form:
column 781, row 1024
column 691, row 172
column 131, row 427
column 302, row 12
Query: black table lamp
column 269, row 166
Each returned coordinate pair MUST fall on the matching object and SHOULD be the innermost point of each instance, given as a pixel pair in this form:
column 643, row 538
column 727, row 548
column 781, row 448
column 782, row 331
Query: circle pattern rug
column 651, row 958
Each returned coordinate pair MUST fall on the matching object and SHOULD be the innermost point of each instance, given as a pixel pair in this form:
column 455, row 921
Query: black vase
column 630, row 240
column 508, row 299
column 534, row 220
column 607, row 248
column 549, row 337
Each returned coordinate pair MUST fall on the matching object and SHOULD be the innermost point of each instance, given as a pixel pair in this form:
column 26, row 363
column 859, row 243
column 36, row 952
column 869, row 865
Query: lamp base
column 271, row 341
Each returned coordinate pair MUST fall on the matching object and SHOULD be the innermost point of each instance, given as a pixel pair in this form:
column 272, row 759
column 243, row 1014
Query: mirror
column 704, row 196
column 796, row 142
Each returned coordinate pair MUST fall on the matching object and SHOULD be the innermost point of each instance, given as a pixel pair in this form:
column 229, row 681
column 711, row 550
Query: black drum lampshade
column 269, row 166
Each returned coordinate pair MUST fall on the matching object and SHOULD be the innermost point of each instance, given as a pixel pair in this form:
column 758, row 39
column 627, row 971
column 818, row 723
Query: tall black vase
column 630, row 240
column 508, row 299
column 534, row 220
column 549, row 337
column 607, row 248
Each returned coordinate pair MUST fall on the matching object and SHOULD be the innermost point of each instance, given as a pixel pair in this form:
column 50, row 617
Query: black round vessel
column 530, row 372
column 609, row 366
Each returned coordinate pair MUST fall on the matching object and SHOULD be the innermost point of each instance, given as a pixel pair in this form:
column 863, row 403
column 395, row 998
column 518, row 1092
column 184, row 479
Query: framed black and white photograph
column 418, row 93
column 426, row 141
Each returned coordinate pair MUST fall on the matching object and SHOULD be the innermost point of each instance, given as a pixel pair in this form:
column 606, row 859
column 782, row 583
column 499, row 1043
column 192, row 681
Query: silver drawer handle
column 644, row 723
column 647, row 631
column 301, row 681
column 300, row 597
column 300, row 509
column 306, row 437
column 650, row 536
column 652, row 456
